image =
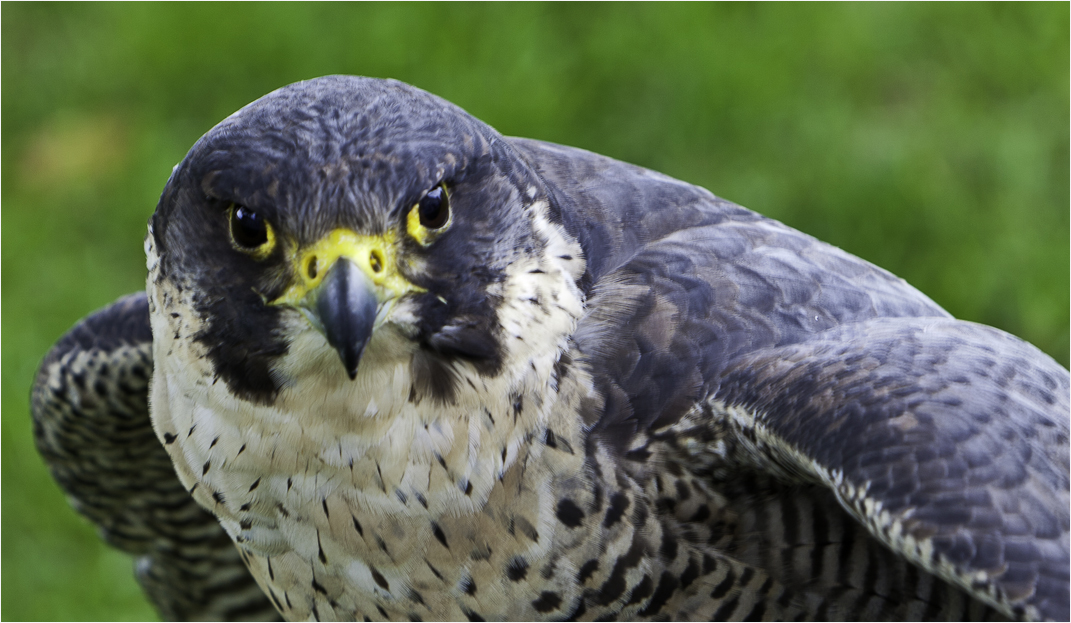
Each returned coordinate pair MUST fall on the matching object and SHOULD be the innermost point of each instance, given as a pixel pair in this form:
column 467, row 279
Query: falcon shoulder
column 801, row 380
column 91, row 424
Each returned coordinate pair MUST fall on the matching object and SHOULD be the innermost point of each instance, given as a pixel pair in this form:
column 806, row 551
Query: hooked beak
column 346, row 306
column 341, row 282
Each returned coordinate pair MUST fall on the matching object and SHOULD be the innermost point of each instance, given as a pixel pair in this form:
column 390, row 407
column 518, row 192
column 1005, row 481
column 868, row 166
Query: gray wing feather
column 693, row 301
column 92, row 426
column 948, row 439
column 680, row 282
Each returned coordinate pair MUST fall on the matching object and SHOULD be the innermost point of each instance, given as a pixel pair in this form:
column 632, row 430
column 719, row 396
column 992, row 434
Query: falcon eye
column 250, row 232
column 430, row 215
column 434, row 208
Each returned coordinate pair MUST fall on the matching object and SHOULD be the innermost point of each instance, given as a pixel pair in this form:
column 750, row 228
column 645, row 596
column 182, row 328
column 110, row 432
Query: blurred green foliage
column 929, row 139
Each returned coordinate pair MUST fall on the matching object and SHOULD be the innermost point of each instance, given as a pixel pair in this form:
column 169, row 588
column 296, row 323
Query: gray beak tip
column 346, row 305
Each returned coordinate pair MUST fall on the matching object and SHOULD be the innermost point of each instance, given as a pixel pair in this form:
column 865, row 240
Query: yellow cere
column 376, row 256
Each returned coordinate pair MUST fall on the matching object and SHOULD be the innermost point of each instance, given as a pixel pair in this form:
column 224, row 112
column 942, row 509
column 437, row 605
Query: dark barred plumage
column 92, row 427
column 570, row 389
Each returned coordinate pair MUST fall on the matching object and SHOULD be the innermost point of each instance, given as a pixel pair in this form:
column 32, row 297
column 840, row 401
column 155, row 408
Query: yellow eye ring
column 251, row 233
column 430, row 216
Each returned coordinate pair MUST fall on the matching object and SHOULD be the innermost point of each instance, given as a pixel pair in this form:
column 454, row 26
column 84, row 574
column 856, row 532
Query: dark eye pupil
column 248, row 227
column 434, row 208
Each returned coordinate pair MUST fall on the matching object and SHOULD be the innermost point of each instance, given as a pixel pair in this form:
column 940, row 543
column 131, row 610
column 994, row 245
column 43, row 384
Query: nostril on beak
column 312, row 270
column 375, row 261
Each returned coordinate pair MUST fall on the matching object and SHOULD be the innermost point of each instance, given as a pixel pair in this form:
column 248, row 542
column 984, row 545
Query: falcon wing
column 947, row 439
column 92, row 426
column 806, row 365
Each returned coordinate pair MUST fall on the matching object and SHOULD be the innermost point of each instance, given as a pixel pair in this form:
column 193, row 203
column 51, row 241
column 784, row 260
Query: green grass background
column 929, row 139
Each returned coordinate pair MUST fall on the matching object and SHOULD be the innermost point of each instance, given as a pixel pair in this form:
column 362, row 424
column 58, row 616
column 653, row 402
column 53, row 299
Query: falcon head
column 345, row 224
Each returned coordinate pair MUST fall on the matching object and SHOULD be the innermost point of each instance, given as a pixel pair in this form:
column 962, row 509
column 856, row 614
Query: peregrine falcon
column 414, row 370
